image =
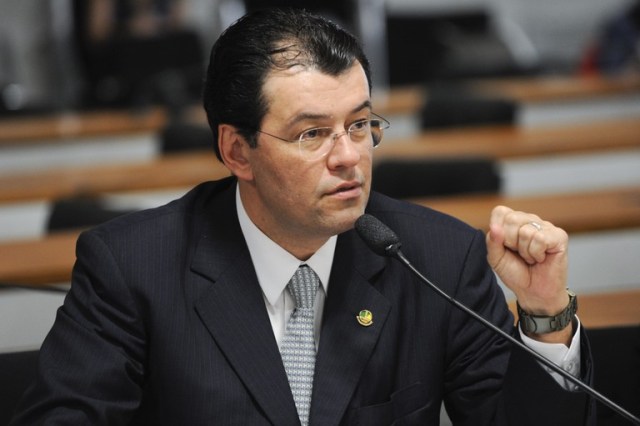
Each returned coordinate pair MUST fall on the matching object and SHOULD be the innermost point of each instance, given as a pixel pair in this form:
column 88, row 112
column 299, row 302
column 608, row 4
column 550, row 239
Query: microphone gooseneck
column 383, row 241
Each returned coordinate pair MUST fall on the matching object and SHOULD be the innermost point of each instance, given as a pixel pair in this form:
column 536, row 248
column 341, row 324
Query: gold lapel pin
column 365, row 318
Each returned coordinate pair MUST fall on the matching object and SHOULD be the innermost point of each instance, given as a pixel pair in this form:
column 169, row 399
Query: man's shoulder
column 172, row 216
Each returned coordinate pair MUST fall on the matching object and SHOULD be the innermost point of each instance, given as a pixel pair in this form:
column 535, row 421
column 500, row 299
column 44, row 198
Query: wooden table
column 71, row 125
column 574, row 212
column 408, row 100
column 558, row 88
column 39, row 261
column 514, row 142
column 611, row 309
column 405, row 100
column 49, row 260
column 169, row 171
column 188, row 169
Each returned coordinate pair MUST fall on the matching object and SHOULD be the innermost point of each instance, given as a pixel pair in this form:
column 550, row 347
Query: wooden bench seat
column 71, row 125
column 408, row 100
column 574, row 212
column 506, row 142
column 49, row 260
column 403, row 100
column 606, row 309
column 188, row 169
column 170, row 171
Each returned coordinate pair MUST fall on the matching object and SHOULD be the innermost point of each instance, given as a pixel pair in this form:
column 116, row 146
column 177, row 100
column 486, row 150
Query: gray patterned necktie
column 298, row 346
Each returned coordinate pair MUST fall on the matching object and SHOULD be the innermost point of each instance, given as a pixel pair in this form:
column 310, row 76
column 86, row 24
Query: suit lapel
column 345, row 345
column 233, row 310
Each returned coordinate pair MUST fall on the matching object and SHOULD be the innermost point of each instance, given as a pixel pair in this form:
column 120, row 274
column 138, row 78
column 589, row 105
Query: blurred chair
column 450, row 45
column 130, row 64
column 366, row 19
column 17, row 372
column 340, row 11
column 180, row 137
column 616, row 366
column 614, row 49
column 79, row 212
column 450, row 105
column 435, row 177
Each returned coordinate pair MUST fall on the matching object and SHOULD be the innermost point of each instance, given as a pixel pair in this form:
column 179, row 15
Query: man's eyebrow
column 311, row 116
column 365, row 105
column 306, row 116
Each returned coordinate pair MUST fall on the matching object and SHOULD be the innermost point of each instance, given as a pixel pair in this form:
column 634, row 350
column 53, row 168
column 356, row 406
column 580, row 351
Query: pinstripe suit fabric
column 165, row 324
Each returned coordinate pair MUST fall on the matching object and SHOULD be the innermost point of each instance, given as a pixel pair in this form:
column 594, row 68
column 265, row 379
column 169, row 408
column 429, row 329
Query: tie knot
column 303, row 287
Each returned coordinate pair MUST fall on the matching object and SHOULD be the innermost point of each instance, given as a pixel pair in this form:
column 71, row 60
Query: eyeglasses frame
column 385, row 124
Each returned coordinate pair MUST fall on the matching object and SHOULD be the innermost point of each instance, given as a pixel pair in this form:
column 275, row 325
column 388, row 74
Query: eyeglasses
column 315, row 143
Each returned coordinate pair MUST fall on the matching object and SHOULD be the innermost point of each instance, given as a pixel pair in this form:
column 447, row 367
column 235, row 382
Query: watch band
column 548, row 324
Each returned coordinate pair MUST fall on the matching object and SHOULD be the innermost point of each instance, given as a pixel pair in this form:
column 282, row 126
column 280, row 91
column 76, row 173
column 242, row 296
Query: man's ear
column 234, row 151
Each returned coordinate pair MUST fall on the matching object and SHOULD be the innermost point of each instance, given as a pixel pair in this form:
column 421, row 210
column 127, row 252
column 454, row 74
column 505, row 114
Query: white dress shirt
column 275, row 266
column 568, row 358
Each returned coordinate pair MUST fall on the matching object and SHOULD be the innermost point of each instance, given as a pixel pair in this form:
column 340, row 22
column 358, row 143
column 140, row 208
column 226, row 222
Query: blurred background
column 60, row 53
column 533, row 104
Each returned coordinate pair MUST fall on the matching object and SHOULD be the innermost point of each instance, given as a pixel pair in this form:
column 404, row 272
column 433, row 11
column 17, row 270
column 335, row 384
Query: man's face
column 302, row 202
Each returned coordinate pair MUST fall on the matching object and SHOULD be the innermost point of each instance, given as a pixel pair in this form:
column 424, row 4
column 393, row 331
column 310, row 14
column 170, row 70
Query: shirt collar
column 274, row 265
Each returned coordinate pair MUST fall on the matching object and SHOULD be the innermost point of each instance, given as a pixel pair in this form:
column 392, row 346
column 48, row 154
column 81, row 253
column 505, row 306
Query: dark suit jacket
column 165, row 323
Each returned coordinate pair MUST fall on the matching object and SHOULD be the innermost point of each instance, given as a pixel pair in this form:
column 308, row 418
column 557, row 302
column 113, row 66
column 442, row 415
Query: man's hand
column 530, row 257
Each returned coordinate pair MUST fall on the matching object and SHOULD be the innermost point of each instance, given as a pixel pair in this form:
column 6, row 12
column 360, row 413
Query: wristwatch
column 548, row 324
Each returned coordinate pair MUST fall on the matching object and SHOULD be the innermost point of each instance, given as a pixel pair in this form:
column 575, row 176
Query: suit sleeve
column 489, row 382
column 90, row 369
column 533, row 397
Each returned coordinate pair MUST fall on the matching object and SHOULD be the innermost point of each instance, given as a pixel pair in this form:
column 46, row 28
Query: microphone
column 383, row 241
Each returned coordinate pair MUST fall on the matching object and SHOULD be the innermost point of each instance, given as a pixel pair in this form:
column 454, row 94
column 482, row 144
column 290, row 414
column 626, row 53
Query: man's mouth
column 347, row 190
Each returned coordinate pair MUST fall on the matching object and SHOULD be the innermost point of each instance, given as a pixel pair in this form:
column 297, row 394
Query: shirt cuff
column 568, row 358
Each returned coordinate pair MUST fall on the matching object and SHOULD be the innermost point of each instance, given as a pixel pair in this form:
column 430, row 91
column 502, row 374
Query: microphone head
column 378, row 236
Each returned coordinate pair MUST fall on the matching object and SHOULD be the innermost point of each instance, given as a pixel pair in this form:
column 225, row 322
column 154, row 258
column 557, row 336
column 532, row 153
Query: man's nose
column 344, row 151
column 337, row 136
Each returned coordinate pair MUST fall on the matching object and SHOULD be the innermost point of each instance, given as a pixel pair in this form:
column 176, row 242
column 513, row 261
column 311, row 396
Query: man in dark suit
column 178, row 315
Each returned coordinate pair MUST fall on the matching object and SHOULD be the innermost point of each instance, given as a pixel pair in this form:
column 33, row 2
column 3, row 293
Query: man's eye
column 359, row 125
column 313, row 134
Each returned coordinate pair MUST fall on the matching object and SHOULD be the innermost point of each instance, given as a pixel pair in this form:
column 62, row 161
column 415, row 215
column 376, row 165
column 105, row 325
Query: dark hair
column 266, row 40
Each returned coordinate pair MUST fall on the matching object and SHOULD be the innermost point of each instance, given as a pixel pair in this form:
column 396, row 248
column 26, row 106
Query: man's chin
column 346, row 220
